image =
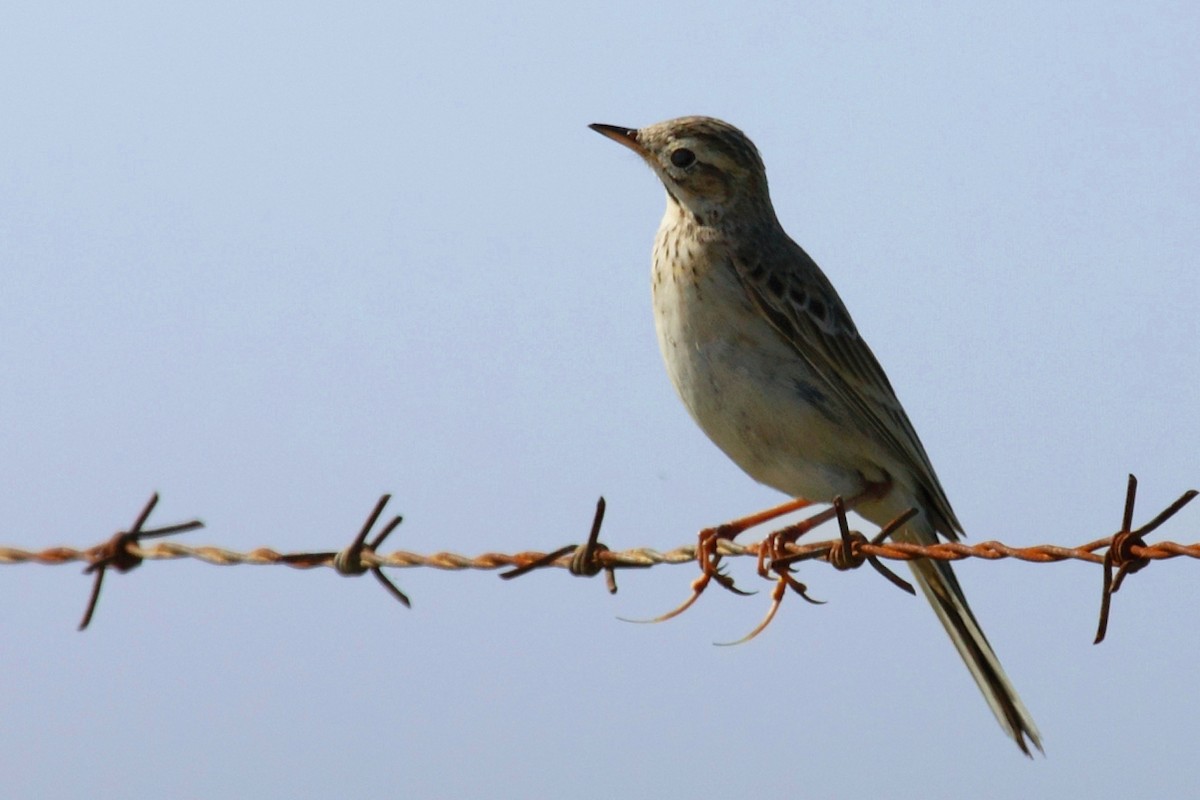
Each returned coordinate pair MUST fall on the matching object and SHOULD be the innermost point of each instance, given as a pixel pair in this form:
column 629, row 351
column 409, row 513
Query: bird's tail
column 946, row 596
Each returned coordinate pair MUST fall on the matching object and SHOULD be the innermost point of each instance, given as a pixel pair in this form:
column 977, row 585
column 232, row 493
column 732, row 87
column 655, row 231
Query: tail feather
column 942, row 590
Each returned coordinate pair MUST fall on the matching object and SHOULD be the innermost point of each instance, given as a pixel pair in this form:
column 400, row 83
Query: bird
column 766, row 358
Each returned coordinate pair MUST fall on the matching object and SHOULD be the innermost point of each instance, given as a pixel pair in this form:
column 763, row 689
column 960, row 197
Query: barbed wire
column 1121, row 554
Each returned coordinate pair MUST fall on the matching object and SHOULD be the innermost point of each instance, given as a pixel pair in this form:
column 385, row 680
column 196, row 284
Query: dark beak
column 621, row 135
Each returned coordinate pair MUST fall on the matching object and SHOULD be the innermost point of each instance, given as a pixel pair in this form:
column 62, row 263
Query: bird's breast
column 745, row 386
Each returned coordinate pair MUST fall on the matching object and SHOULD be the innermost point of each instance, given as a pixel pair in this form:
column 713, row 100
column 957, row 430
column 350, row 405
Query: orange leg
column 791, row 533
column 773, row 547
column 709, row 559
column 706, row 548
column 772, row 552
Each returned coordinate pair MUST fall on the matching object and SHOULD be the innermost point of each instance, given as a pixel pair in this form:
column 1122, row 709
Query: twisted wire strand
column 1092, row 552
column 1121, row 554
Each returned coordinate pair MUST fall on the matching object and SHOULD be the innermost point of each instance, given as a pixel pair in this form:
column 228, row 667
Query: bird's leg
column 772, row 552
column 709, row 559
column 771, row 558
column 774, row 547
column 706, row 546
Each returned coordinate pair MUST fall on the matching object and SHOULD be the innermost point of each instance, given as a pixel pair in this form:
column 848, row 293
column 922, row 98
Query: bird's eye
column 683, row 158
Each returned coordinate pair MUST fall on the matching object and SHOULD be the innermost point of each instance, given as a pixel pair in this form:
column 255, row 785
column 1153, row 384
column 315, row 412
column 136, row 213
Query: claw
column 698, row 587
column 709, row 558
column 799, row 588
column 785, row 582
column 725, row 581
column 773, row 557
column 712, row 572
column 776, row 599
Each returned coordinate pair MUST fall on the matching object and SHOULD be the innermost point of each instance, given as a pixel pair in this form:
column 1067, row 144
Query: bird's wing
column 790, row 290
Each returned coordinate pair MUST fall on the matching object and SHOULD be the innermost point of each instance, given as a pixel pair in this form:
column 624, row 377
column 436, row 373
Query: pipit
column 768, row 362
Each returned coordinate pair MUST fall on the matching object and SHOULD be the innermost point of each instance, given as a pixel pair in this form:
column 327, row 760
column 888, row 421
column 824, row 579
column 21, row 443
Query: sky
column 272, row 260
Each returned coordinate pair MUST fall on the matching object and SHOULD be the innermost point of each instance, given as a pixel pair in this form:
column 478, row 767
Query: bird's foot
column 709, row 557
column 785, row 581
column 774, row 558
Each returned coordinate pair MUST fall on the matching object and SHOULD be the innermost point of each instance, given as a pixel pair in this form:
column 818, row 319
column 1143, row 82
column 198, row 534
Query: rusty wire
column 1121, row 554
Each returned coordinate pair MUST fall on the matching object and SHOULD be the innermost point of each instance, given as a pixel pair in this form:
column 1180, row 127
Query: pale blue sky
column 275, row 259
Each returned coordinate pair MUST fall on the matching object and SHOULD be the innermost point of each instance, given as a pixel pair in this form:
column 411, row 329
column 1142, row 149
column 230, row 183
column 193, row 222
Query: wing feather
column 806, row 311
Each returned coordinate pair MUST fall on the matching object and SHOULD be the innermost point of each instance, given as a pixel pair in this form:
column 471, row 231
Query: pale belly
column 750, row 391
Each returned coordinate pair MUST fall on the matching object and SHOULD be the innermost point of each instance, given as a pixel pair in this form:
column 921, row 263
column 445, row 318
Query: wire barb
column 120, row 552
column 850, row 555
column 1126, row 552
column 585, row 559
column 1120, row 555
column 854, row 548
column 359, row 556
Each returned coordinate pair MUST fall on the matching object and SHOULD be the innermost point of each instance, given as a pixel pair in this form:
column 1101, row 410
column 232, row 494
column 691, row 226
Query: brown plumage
column 769, row 363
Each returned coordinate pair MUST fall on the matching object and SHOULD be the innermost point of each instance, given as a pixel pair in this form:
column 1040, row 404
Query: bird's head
column 709, row 168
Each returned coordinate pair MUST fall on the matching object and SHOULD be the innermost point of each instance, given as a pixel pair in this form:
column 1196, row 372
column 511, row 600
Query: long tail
column 946, row 596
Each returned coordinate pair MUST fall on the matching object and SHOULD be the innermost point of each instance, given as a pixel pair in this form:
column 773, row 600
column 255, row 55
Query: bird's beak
column 621, row 135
